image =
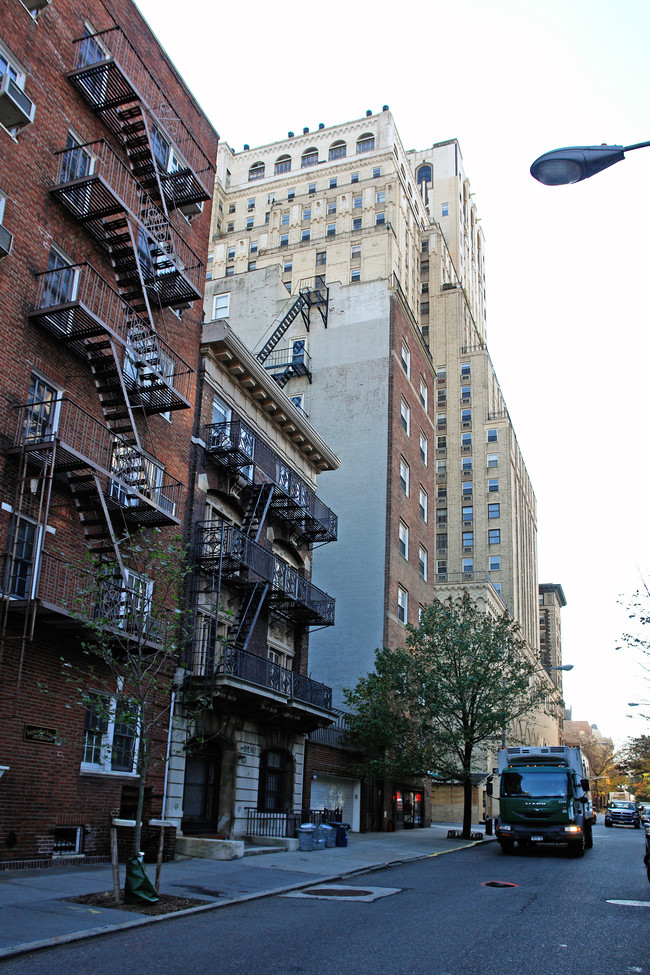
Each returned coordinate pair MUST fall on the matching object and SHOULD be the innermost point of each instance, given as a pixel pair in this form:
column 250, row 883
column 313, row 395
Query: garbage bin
column 341, row 833
column 330, row 835
column 306, row 837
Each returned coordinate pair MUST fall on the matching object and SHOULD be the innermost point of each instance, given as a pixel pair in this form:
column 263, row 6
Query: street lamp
column 638, row 704
column 576, row 163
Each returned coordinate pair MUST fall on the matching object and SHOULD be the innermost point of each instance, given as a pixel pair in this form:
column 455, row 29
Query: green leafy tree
column 130, row 619
column 461, row 678
column 635, row 761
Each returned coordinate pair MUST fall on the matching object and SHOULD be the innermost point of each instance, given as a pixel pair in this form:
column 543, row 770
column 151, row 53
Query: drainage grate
column 339, row 891
column 498, row 883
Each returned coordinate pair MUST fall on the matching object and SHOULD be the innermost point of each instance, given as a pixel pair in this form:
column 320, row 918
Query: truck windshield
column 535, row 782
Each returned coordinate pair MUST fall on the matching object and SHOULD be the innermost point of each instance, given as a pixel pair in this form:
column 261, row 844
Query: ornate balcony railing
column 231, row 662
column 76, row 305
column 222, row 547
column 130, row 480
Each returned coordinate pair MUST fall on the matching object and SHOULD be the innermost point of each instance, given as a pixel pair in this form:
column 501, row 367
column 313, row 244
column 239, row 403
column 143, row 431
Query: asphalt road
column 563, row 916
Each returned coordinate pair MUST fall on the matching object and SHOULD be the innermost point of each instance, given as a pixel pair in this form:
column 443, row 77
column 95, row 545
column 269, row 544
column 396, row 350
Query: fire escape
column 116, row 483
column 284, row 364
column 231, row 556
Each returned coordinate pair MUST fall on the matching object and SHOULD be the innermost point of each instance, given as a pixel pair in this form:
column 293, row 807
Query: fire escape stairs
column 252, row 600
column 257, row 509
column 298, row 306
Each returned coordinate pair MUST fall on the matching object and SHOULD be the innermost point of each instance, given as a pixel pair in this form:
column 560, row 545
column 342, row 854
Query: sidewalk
column 34, row 912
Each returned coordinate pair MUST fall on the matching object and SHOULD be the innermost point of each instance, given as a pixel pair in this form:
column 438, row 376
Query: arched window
column 275, row 790
column 424, row 174
column 283, row 164
column 309, row 158
column 256, row 171
column 338, row 150
column 366, row 143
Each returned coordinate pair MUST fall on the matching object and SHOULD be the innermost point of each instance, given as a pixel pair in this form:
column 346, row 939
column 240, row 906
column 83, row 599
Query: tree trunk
column 144, row 765
column 467, row 807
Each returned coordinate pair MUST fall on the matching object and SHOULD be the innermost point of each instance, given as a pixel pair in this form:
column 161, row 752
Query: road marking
column 631, row 903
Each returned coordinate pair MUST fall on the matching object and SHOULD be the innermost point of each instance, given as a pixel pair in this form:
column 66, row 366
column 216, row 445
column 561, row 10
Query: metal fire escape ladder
column 257, row 509
column 243, row 625
column 136, row 135
column 298, row 307
column 97, row 525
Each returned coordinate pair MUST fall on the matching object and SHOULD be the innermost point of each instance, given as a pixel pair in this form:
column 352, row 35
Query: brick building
column 106, row 162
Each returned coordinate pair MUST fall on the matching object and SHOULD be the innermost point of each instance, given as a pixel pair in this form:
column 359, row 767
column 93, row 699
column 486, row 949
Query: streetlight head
column 574, row 163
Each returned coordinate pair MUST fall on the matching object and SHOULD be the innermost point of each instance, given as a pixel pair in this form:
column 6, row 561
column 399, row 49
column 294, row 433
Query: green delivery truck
column 543, row 798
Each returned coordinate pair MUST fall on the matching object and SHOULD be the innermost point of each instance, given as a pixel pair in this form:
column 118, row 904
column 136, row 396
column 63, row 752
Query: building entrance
column 407, row 809
column 201, row 793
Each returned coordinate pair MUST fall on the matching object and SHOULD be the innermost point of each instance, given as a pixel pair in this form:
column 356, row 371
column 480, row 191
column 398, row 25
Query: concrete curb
column 63, row 939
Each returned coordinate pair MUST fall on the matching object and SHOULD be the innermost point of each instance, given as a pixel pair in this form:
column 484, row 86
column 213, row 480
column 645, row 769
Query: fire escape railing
column 132, row 480
column 92, row 308
column 108, row 72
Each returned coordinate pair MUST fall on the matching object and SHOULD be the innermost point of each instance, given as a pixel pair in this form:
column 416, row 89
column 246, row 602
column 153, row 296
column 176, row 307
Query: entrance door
column 201, row 793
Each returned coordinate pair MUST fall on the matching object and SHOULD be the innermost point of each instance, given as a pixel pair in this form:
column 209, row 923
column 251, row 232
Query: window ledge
column 106, row 773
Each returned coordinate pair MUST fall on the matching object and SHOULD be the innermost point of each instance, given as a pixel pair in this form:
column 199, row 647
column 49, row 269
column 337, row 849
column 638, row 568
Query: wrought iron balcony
column 113, row 79
column 233, row 663
column 223, row 548
column 78, row 447
column 286, row 362
column 78, row 307
column 98, row 190
column 235, row 446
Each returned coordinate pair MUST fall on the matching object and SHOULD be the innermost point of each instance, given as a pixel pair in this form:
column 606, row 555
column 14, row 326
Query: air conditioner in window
column 190, row 209
column 6, row 240
column 35, row 5
column 16, row 109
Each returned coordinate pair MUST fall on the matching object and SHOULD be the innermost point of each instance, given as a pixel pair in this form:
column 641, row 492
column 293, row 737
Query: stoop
column 207, row 849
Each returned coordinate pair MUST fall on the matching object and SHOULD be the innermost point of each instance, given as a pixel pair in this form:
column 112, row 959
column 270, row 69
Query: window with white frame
column 402, row 605
column 424, row 505
column 423, row 562
column 424, row 448
column 424, row 393
column 404, row 540
column 405, row 416
column 221, row 306
column 493, row 484
column 492, row 436
column 494, row 563
column 366, row 143
column 406, row 359
column 24, row 546
column 110, row 735
column 404, row 476
column 492, row 460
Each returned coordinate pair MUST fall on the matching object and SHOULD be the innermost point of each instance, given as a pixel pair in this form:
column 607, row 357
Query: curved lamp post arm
column 575, row 163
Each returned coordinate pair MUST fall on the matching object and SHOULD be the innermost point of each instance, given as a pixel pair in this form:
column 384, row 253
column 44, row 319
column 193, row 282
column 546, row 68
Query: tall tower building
column 432, row 495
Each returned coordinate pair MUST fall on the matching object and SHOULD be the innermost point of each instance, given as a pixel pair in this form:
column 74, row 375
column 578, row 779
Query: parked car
column 620, row 813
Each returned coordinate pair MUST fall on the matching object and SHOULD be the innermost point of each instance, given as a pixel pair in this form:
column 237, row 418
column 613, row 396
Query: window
column 253, row 247
column 468, row 567
column 252, row 265
column 355, row 253
column 357, row 202
column 466, row 394
column 333, row 183
column 424, row 393
column 275, row 791
column 366, row 143
column 404, row 476
column 282, row 165
column 494, row 510
column 249, row 223
column 423, row 174
column 230, row 255
column 284, row 219
column 256, row 171
column 221, row 306
column 110, row 735
column 291, row 195
column 424, row 505
column 321, row 258
column 402, row 605
column 77, row 162
column 441, row 468
column 230, row 272
column 355, row 274
column 494, row 536
column 251, row 204
column 441, row 420
column 405, row 415
column 492, row 436
column 376, row 172
column 380, row 196
column 467, row 489
column 466, row 465
column 494, row 563
column 306, row 213
column 493, row 460
column 298, row 401
column 305, row 236
column 441, row 443
column 466, row 417
column 284, row 240
column 468, row 514
column 309, row 158
column 380, row 219
column 444, row 210
column 403, row 540
column 424, row 308
column 232, row 207
column 466, row 440
column 468, row 539
column 331, row 206
column 497, row 588
column 270, row 199
column 230, row 227
column 331, row 229
column 356, row 223
column 61, row 281
column 441, row 517
column 493, row 484
column 338, row 150
column 24, row 552
column 441, row 542
column 406, row 359
column 424, row 448
column 311, row 189
column 16, row 109
column 354, row 177
column 287, row 267
column 441, row 568
column 423, row 562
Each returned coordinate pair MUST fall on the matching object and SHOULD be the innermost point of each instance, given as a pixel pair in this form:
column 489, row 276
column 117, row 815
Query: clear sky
column 567, row 267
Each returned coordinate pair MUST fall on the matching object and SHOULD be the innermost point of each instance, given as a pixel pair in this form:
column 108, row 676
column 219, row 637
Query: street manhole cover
column 328, row 892
column 498, row 883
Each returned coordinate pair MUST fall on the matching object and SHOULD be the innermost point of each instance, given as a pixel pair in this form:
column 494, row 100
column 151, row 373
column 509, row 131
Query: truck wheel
column 507, row 846
column 577, row 847
column 589, row 837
